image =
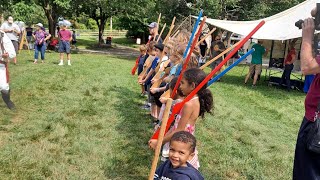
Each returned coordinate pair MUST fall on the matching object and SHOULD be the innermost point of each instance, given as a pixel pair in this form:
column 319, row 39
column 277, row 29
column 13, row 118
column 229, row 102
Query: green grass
column 84, row 122
column 85, row 42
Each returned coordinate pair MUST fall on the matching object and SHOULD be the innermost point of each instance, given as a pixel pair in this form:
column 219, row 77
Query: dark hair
column 185, row 137
column 173, row 83
column 196, row 76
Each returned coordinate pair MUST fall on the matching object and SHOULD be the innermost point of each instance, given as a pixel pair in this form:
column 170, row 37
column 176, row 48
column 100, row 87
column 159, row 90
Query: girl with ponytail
column 201, row 103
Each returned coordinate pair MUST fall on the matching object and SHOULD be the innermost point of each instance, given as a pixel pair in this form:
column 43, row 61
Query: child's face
column 180, row 153
column 142, row 52
column 158, row 52
column 185, row 87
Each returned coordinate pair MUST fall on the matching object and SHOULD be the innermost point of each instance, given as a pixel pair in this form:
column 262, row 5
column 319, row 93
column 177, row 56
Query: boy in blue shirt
column 182, row 147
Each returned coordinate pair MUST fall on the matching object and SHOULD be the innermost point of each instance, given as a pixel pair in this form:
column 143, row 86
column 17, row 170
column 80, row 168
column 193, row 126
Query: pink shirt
column 65, row 35
column 313, row 96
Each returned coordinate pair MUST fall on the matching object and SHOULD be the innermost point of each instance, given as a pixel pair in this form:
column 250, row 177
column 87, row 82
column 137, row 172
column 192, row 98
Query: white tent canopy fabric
column 277, row 27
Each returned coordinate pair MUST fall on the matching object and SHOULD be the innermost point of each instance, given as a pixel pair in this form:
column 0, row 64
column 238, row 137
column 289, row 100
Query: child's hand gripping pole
column 185, row 65
column 179, row 106
column 160, row 139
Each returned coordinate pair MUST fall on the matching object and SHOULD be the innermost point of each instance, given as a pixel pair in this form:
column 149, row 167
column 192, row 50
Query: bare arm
column 185, row 116
column 48, row 37
column 309, row 65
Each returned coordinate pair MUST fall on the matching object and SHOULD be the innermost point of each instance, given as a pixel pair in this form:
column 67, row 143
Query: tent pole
column 271, row 52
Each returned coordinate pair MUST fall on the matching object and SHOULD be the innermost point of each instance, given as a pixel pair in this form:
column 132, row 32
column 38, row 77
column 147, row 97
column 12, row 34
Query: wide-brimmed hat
column 39, row 25
column 153, row 25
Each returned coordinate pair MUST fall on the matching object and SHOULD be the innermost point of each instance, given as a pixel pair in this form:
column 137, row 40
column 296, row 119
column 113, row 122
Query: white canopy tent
column 277, row 27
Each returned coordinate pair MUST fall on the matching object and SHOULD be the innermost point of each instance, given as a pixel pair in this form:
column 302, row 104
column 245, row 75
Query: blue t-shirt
column 173, row 70
column 166, row 171
column 179, row 69
column 153, row 66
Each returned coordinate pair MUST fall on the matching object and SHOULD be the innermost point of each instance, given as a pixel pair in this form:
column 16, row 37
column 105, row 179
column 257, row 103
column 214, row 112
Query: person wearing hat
column 40, row 36
column 154, row 32
column 12, row 30
column 65, row 37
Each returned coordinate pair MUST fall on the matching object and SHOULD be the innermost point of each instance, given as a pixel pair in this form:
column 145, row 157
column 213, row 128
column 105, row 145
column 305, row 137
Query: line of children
column 201, row 103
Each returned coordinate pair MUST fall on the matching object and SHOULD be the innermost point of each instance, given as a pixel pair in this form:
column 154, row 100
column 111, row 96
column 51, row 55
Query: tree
column 29, row 13
column 102, row 10
column 54, row 9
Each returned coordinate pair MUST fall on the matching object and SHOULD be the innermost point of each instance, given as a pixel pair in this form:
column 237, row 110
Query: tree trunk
column 102, row 25
column 52, row 20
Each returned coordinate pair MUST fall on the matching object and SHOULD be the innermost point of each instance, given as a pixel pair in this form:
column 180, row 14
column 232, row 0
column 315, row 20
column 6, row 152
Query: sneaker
column 253, row 85
column 42, row 62
column 35, row 62
column 60, row 64
column 69, row 63
column 146, row 107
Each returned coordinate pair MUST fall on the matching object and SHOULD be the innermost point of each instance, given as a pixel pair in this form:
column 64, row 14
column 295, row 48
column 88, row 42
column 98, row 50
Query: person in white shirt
column 12, row 30
column 6, row 51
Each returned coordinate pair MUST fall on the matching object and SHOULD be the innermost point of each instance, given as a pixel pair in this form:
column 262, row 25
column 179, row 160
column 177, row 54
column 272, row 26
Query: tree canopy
column 134, row 15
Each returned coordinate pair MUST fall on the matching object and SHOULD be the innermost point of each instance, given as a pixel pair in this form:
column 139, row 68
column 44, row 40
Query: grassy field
column 84, row 42
column 84, row 122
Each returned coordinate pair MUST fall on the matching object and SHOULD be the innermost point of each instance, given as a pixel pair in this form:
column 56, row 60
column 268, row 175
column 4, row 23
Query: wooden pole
column 159, row 18
column 203, row 39
column 180, row 25
column 164, row 26
column 160, row 139
column 171, row 28
column 220, row 55
column 175, row 34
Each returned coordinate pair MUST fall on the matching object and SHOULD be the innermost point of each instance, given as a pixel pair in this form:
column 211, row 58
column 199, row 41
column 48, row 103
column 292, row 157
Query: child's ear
column 191, row 156
column 193, row 85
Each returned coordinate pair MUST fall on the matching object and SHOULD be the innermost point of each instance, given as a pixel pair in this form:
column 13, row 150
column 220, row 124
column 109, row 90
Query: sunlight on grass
column 84, row 122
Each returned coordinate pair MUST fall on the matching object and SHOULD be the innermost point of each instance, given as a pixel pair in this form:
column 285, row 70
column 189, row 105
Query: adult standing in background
column 288, row 66
column 256, row 62
column 154, row 32
column 40, row 36
column 12, row 30
column 306, row 162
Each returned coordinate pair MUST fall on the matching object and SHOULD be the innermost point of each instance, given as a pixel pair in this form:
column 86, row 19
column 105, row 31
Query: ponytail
column 206, row 101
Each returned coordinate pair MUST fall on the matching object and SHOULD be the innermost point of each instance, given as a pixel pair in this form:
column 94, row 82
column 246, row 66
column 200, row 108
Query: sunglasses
column 218, row 39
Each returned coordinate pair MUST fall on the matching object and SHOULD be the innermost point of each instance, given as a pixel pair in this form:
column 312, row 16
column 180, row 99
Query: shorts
column 15, row 45
column 64, row 47
column 215, row 63
column 255, row 68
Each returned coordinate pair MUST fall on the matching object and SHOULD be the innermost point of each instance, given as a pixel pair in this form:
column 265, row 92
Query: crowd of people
column 159, row 68
column 160, row 64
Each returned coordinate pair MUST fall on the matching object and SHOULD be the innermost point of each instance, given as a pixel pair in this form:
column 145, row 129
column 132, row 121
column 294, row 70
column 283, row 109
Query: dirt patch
column 120, row 51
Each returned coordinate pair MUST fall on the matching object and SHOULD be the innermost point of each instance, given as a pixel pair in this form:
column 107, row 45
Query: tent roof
column 277, row 27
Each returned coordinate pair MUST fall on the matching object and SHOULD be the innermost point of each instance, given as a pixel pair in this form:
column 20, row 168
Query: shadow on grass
column 134, row 158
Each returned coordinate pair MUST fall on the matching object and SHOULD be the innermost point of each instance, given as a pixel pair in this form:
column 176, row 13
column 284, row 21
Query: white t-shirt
column 8, row 46
column 12, row 35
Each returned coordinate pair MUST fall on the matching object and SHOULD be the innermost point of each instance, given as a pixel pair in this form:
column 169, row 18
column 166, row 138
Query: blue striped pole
column 193, row 33
column 230, row 67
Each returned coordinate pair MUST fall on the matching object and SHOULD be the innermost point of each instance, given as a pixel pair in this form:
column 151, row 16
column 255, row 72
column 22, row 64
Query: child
column 142, row 58
column 182, row 149
column 65, row 37
column 186, row 119
column 159, row 59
